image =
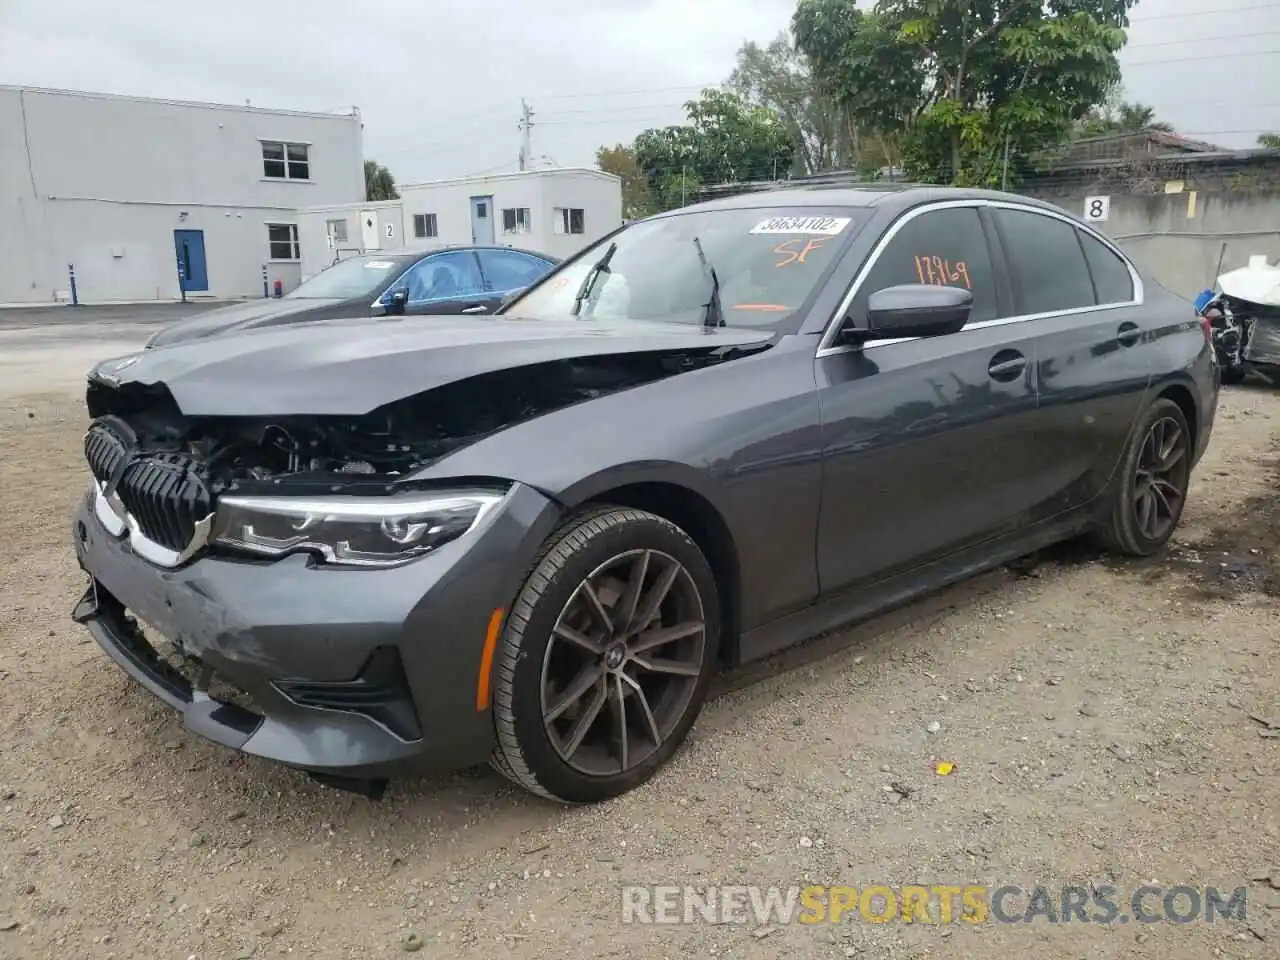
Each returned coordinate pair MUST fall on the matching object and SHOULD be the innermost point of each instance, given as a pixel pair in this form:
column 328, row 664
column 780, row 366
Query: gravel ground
column 1097, row 712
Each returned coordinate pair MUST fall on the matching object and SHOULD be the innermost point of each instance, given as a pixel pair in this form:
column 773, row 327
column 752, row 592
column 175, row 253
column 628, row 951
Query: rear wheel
column 606, row 656
column 1151, row 488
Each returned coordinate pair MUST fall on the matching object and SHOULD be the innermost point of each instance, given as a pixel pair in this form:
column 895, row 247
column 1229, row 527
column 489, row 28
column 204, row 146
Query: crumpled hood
column 237, row 315
column 354, row 366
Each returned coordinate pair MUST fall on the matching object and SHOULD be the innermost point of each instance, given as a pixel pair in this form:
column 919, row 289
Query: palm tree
column 379, row 184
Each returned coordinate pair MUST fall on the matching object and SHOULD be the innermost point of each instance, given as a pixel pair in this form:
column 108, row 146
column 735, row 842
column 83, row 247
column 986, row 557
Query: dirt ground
column 1098, row 713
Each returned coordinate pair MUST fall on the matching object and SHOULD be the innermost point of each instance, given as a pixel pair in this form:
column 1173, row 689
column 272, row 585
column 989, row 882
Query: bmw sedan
column 371, row 547
column 458, row 280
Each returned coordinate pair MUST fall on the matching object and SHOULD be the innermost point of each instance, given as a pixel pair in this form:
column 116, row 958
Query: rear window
column 769, row 263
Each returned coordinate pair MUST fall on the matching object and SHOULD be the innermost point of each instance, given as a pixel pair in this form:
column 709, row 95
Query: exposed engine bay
column 332, row 453
column 1245, row 321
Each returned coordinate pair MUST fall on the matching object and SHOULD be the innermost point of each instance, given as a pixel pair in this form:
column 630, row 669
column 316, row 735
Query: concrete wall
column 103, row 181
column 1181, row 220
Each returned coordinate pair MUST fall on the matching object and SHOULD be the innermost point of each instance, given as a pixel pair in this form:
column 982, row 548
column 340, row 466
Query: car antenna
column 589, row 280
column 714, row 316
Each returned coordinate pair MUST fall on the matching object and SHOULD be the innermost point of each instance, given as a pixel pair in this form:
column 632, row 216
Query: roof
column 417, row 253
column 517, row 175
column 243, row 108
column 897, row 195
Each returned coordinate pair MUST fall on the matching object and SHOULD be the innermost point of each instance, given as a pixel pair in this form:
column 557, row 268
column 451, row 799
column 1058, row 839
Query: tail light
column 1207, row 326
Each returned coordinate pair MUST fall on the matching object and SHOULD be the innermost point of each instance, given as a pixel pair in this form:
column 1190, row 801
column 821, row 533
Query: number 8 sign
column 1097, row 208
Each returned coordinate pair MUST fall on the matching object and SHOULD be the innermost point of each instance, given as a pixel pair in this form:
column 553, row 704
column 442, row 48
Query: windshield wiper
column 714, row 316
column 589, row 280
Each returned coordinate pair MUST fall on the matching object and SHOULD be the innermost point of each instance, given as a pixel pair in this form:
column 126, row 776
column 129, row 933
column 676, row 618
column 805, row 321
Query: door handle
column 1007, row 365
column 478, row 308
column 1128, row 334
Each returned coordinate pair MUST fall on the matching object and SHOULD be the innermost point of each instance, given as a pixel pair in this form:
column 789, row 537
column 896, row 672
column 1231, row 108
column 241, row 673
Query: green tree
column 620, row 160
column 964, row 87
column 1269, row 141
column 777, row 77
column 379, row 184
column 1121, row 117
column 726, row 139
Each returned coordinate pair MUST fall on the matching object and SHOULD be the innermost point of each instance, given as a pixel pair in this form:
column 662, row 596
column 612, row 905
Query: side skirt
column 862, row 602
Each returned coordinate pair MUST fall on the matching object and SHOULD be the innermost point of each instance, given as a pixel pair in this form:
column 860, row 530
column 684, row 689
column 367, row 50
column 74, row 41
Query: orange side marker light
column 485, row 679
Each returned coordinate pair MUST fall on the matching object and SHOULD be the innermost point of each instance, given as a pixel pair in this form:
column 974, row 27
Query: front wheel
column 1151, row 488
column 606, row 656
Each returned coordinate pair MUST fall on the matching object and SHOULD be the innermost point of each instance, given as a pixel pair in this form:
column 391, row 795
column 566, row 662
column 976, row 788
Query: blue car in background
column 468, row 280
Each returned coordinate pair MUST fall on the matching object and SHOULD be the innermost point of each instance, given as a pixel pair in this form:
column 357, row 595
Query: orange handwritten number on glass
column 938, row 272
column 791, row 255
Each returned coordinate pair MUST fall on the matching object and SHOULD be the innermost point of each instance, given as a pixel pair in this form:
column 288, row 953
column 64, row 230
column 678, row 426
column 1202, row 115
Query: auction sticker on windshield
column 810, row 226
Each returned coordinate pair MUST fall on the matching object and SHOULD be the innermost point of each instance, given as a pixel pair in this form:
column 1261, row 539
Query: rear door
column 928, row 442
column 447, row 282
column 507, row 272
column 1078, row 296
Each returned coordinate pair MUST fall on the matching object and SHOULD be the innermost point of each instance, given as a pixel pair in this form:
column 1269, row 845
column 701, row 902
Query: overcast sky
column 439, row 82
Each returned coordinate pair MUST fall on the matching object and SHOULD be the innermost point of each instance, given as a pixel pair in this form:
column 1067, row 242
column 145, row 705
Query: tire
column 538, row 669
column 1124, row 530
column 1233, row 375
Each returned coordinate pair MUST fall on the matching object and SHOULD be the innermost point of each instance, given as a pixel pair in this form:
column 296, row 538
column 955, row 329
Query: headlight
column 351, row 531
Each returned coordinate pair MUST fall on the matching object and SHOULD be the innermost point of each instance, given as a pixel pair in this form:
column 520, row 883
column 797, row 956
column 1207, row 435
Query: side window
column 444, row 275
column 508, row 270
column 1047, row 263
column 946, row 247
column 1111, row 277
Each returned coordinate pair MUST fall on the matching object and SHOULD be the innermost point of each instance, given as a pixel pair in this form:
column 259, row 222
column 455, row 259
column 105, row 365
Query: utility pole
column 526, row 124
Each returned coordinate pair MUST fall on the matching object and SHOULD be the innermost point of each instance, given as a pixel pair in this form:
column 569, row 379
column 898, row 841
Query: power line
column 593, row 123
column 1235, row 55
column 623, row 93
column 642, row 106
column 1202, row 13
column 1225, row 36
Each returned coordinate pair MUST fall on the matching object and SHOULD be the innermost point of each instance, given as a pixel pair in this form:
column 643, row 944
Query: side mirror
column 914, row 310
column 398, row 300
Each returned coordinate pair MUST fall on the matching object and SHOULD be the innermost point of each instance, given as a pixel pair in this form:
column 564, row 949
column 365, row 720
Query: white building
column 554, row 211
column 123, row 188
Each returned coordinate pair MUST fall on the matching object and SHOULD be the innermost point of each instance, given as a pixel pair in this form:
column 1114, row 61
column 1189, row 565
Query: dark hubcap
column 1160, row 484
column 623, row 661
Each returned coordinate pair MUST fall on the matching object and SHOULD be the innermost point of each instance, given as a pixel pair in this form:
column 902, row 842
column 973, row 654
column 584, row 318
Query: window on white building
column 570, row 220
column 424, row 225
column 282, row 241
column 337, row 229
column 286, row 161
column 515, row 220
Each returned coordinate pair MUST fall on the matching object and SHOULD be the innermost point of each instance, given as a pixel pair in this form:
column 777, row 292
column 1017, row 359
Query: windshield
column 357, row 277
column 768, row 262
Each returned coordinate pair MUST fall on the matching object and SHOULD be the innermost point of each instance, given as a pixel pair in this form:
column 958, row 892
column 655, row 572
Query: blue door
column 189, row 246
column 482, row 220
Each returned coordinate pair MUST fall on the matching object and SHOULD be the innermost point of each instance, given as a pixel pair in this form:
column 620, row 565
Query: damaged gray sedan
column 377, row 547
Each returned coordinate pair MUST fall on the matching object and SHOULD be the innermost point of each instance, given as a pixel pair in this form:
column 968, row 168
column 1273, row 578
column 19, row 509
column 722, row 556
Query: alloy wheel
column 1160, row 481
column 622, row 665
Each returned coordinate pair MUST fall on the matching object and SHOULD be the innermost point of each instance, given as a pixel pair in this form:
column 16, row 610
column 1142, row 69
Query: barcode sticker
column 808, row 226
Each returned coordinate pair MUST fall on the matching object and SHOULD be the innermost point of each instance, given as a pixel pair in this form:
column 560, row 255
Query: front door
column 928, row 443
column 482, row 220
column 445, row 283
column 192, row 271
column 370, row 239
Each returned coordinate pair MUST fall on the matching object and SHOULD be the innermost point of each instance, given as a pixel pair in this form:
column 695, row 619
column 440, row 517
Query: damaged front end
column 1245, row 320
column 271, row 485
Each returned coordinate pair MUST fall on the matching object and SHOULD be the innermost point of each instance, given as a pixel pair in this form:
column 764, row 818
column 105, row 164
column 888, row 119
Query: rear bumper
column 348, row 673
